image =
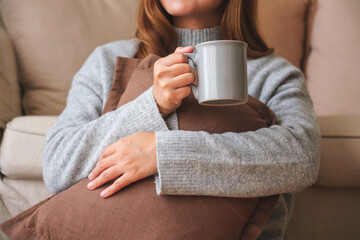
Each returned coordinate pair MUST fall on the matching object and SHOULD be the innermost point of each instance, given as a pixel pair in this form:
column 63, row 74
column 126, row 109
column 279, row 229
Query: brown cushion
column 53, row 38
column 137, row 212
column 286, row 26
column 333, row 66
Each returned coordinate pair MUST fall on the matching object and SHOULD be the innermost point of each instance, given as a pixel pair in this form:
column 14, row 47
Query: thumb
column 188, row 49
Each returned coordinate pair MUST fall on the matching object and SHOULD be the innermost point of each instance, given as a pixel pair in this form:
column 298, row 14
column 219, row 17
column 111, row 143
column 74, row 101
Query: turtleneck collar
column 191, row 37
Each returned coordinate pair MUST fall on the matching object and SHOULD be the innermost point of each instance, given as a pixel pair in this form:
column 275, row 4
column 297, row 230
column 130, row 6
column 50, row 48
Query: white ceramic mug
column 222, row 72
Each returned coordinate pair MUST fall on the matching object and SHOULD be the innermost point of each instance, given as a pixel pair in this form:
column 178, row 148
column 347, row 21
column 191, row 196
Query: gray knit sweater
column 280, row 159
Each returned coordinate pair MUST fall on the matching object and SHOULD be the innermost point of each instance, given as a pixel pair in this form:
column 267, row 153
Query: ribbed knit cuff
column 176, row 173
column 172, row 121
column 143, row 114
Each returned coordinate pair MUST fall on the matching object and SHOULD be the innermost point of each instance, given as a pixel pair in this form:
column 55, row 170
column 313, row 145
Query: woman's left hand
column 132, row 158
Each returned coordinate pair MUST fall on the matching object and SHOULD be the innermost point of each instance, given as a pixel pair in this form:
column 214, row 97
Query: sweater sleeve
column 74, row 144
column 281, row 159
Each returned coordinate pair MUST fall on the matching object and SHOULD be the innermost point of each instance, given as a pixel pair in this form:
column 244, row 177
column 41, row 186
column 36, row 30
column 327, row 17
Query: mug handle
column 192, row 57
column 194, row 88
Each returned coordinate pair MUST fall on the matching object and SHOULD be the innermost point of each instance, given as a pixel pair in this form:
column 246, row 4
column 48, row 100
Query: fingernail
column 90, row 176
column 90, row 185
column 103, row 194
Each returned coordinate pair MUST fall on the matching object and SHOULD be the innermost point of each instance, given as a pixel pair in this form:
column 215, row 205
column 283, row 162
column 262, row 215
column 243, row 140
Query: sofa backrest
column 334, row 63
column 10, row 105
column 53, row 38
column 286, row 26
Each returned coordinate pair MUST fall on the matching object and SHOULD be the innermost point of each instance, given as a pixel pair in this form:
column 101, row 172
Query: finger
column 188, row 49
column 176, row 96
column 174, row 58
column 195, row 73
column 177, row 69
column 102, row 166
column 106, row 176
column 109, row 150
column 181, row 80
column 120, row 183
column 182, row 93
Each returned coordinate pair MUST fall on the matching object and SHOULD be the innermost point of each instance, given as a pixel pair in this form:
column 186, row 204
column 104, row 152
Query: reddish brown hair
column 157, row 34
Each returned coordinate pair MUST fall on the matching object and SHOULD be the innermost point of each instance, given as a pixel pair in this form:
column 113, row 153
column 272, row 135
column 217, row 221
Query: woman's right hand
column 172, row 76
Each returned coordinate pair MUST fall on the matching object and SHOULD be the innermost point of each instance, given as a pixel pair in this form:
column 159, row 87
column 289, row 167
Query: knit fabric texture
column 281, row 159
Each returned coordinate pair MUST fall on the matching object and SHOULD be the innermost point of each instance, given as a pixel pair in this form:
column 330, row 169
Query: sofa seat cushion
column 325, row 214
column 340, row 151
column 18, row 195
column 22, row 146
column 4, row 213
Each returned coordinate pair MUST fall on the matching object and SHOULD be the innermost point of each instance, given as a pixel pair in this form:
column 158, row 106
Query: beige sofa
column 43, row 43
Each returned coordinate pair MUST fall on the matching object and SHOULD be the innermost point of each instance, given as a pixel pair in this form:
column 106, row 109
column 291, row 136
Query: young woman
column 141, row 138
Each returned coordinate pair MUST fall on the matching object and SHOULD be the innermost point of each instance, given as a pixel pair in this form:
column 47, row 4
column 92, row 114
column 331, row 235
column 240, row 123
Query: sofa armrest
column 340, row 151
column 22, row 146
